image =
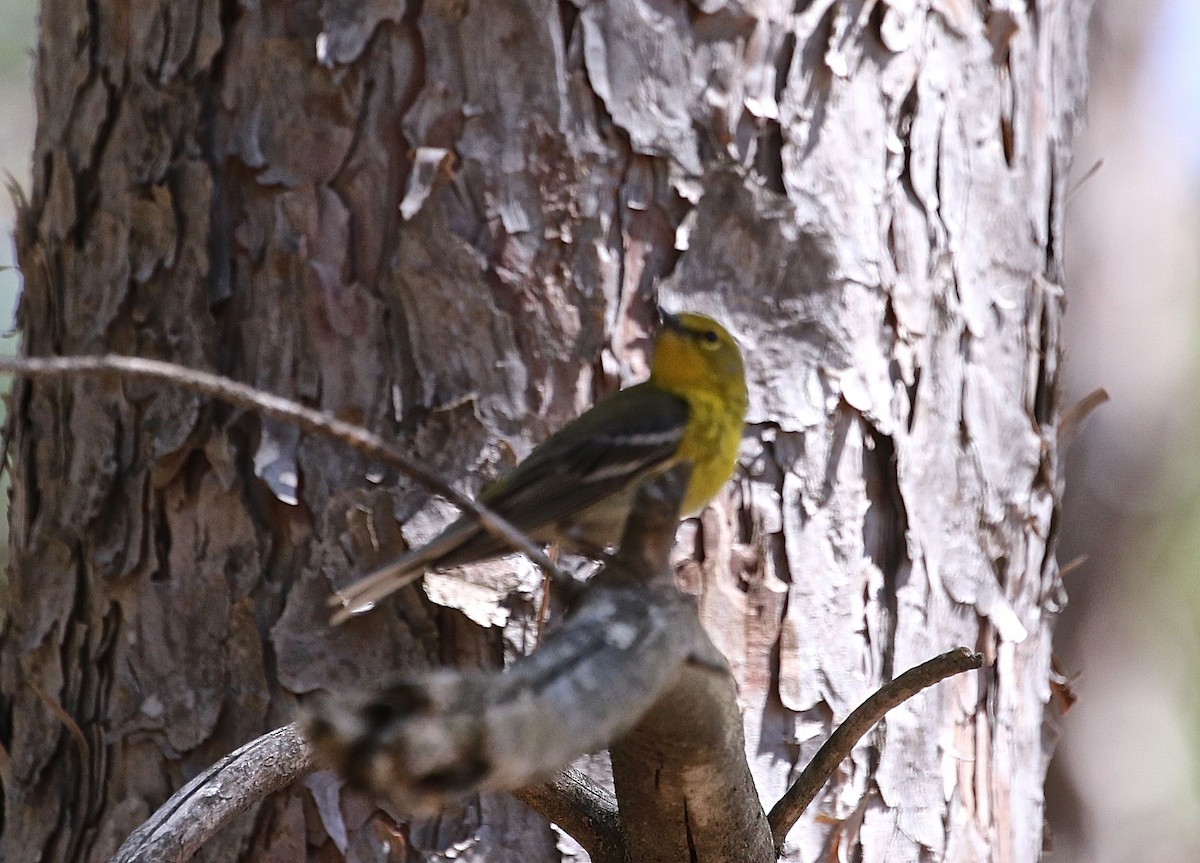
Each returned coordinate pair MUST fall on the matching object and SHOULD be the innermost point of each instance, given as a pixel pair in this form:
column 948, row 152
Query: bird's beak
column 670, row 321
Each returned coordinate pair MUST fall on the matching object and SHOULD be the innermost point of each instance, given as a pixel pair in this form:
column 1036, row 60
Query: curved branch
column 795, row 800
column 305, row 418
column 583, row 810
column 270, row 763
column 231, row 786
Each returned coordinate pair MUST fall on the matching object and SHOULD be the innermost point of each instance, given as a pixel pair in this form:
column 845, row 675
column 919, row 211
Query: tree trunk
column 449, row 220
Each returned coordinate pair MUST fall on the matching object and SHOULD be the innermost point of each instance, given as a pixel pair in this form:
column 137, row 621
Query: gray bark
column 449, row 221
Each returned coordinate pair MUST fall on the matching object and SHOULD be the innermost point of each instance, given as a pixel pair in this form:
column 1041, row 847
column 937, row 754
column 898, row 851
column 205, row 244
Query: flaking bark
column 450, row 220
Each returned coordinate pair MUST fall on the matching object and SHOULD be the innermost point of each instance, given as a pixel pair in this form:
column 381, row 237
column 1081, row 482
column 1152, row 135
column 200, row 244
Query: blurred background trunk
column 1125, row 784
column 451, row 221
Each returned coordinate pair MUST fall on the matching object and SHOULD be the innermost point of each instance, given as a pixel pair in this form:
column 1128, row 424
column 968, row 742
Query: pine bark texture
column 450, row 220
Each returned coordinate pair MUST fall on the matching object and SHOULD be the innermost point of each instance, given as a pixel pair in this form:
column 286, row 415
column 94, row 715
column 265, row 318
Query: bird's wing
column 395, row 574
column 627, row 435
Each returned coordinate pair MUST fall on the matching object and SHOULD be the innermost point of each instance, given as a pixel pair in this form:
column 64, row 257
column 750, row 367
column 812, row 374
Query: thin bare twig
column 68, row 721
column 1073, row 417
column 1071, row 565
column 305, row 418
column 1083, row 181
column 231, row 786
column 791, row 806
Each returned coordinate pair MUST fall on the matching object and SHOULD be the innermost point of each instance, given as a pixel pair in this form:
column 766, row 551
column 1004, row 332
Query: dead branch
column 582, row 809
column 231, row 786
column 625, row 640
column 1073, row 418
column 305, row 418
column 630, row 663
column 795, row 800
column 270, row 763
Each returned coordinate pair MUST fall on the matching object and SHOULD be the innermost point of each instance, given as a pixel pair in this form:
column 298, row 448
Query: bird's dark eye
column 710, row 336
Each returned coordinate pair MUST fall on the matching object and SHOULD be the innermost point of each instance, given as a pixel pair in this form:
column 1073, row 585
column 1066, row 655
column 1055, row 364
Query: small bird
column 576, row 488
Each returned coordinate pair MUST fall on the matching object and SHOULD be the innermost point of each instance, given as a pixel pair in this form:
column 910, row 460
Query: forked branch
column 629, row 666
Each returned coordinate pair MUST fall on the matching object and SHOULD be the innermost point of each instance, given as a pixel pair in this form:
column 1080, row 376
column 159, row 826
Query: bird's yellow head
column 694, row 352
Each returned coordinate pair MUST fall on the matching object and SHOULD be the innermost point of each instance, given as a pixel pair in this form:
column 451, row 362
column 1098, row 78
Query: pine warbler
column 576, row 488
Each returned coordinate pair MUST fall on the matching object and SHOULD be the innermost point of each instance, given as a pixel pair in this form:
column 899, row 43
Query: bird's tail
column 364, row 593
column 404, row 570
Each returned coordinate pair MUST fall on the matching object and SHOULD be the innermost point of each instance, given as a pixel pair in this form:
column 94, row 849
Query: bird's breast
column 711, row 442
